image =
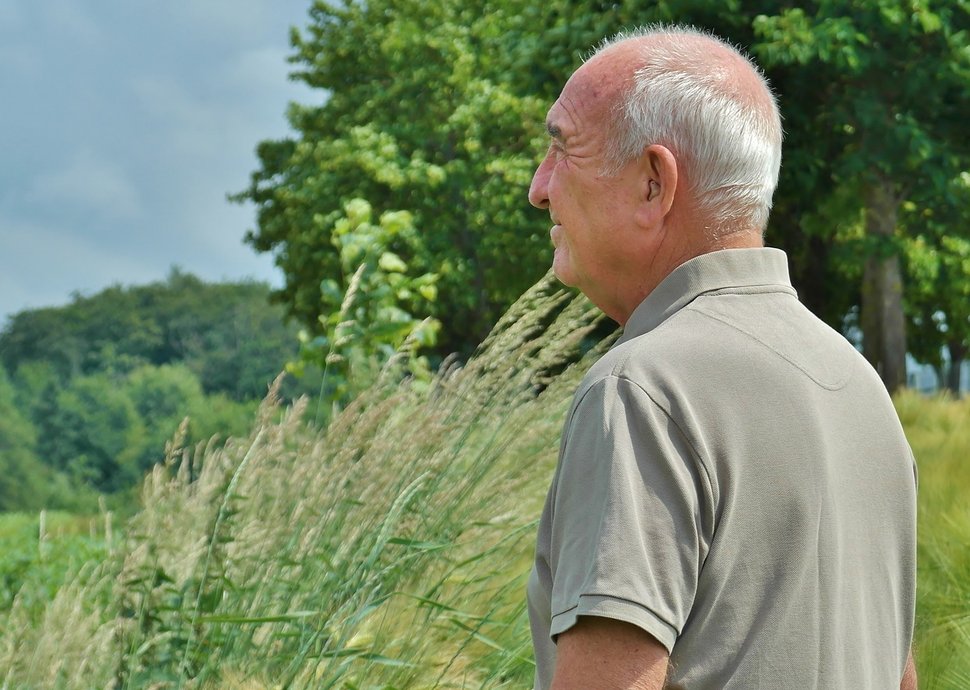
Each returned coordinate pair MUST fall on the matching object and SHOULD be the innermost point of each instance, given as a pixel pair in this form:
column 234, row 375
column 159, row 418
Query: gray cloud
column 124, row 125
column 45, row 264
column 88, row 182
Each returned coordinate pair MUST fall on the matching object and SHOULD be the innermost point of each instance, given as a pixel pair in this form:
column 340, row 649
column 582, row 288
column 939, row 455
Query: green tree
column 441, row 116
column 228, row 334
column 31, row 381
column 372, row 308
column 220, row 416
column 880, row 93
column 428, row 119
column 162, row 397
column 92, row 432
column 22, row 477
column 938, row 293
column 49, row 331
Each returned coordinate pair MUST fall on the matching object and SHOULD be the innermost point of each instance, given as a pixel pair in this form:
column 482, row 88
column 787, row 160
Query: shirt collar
column 762, row 267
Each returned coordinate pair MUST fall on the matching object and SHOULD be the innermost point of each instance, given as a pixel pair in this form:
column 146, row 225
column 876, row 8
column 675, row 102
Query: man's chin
column 563, row 275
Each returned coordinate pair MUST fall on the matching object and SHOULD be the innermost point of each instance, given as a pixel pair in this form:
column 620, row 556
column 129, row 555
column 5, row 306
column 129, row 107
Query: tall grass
column 939, row 432
column 390, row 550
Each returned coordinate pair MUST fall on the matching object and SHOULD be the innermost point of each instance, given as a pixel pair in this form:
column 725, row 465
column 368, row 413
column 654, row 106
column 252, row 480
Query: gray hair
column 728, row 142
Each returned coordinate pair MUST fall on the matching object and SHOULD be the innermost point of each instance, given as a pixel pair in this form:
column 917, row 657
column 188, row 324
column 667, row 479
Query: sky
column 123, row 126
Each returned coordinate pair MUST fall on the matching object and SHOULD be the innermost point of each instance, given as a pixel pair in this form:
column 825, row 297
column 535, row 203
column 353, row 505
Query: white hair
column 727, row 138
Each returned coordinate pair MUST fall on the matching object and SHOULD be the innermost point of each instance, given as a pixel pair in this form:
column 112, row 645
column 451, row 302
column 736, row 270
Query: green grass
column 388, row 551
column 38, row 552
column 939, row 432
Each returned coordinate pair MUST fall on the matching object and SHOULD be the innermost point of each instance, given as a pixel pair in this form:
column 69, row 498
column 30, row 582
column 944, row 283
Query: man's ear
column 659, row 184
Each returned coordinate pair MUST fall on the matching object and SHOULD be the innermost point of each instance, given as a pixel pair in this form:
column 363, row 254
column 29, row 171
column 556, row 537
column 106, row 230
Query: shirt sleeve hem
column 606, row 606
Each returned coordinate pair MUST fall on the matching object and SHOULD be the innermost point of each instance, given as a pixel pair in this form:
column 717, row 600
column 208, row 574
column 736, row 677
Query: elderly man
column 734, row 504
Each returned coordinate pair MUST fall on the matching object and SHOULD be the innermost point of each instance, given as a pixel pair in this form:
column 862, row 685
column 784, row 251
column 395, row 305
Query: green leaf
column 392, row 263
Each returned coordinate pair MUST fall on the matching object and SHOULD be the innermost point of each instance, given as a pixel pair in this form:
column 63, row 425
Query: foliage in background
column 90, row 392
column 303, row 558
column 100, row 434
column 424, row 120
column 938, row 298
column 227, row 334
column 875, row 94
column 26, row 482
column 90, row 430
column 442, row 116
column 369, row 314
column 42, row 552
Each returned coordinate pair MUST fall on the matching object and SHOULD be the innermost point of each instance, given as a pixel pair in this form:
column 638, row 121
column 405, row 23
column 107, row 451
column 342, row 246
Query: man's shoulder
column 726, row 342
column 661, row 358
column 675, row 343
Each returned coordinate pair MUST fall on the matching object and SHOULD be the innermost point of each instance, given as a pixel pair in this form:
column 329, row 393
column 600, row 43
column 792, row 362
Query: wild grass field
column 389, row 550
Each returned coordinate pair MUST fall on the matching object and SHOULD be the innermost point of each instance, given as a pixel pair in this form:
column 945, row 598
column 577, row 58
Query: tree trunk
column 958, row 352
column 883, row 323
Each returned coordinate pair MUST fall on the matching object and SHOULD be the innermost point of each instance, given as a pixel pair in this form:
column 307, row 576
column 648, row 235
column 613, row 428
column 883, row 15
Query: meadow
column 389, row 550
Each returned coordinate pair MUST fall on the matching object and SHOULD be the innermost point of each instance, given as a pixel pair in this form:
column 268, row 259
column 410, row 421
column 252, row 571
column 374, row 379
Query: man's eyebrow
column 554, row 131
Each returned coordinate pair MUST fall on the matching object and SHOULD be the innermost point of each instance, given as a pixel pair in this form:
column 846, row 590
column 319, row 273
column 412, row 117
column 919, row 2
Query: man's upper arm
column 608, row 654
column 628, row 522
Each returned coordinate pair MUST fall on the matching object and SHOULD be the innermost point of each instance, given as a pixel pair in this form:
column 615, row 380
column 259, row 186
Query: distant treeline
column 91, row 391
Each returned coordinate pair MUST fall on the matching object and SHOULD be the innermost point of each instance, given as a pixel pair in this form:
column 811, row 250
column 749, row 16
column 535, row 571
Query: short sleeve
column 626, row 538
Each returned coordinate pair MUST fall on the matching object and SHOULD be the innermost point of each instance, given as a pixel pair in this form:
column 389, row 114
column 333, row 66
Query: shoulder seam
column 680, row 429
column 699, row 459
column 838, row 385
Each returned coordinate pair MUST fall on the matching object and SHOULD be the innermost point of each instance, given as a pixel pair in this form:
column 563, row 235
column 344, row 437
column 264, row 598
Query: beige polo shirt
column 733, row 479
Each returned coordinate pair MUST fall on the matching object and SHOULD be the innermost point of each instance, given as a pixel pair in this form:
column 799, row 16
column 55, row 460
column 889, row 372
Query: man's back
column 776, row 530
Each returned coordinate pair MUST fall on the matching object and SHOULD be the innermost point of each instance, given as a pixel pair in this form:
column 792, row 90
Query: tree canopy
column 21, row 475
column 90, row 392
column 420, row 114
column 437, row 108
column 875, row 95
column 227, row 334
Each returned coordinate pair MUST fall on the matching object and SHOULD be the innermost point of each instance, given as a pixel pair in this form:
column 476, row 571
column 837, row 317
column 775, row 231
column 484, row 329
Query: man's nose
column 539, row 189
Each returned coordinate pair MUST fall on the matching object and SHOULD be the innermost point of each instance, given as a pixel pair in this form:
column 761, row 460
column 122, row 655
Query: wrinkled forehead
column 588, row 96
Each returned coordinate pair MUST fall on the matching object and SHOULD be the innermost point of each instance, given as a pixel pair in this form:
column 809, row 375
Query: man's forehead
column 586, row 97
column 583, row 102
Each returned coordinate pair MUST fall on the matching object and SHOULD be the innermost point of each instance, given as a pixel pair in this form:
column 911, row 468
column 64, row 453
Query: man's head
column 666, row 144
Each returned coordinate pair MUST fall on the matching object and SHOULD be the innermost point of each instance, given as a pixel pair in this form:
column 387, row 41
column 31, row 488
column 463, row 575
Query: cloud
column 21, row 62
column 168, row 102
column 88, row 182
column 44, row 263
column 238, row 18
column 19, row 56
column 68, row 21
column 257, row 70
column 125, row 126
